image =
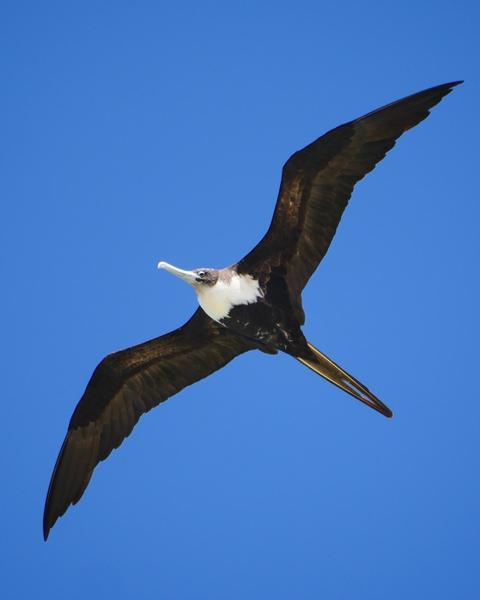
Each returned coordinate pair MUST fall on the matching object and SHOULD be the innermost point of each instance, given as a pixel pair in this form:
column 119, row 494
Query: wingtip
column 46, row 531
column 445, row 88
column 441, row 90
column 46, row 526
column 449, row 85
column 452, row 84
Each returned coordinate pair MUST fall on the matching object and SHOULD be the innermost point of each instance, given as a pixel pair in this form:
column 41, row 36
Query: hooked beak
column 188, row 276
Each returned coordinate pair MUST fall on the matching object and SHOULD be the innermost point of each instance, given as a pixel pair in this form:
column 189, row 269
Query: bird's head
column 198, row 278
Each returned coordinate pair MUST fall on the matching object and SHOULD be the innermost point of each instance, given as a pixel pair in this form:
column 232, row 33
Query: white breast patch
column 217, row 300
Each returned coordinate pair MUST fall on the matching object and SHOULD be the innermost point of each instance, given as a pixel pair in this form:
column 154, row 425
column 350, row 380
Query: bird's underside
column 255, row 304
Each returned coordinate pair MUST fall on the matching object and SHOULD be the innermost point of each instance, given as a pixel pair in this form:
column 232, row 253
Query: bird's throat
column 218, row 300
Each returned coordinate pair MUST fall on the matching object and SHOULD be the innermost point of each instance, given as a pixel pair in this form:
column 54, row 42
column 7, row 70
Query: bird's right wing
column 125, row 385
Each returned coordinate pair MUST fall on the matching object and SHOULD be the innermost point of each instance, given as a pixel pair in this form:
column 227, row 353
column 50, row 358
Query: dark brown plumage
column 124, row 386
column 316, row 185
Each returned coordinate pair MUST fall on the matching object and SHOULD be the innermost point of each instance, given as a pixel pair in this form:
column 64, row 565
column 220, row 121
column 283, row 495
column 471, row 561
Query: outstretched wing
column 317, row 183
column 125, row 385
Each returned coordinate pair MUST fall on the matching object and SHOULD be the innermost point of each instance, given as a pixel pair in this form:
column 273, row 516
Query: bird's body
column 255, row 304
column 242, row 304
column 230, row 290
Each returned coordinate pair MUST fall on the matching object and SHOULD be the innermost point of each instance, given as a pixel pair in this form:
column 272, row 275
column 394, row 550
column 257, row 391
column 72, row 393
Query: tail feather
column 324, row 366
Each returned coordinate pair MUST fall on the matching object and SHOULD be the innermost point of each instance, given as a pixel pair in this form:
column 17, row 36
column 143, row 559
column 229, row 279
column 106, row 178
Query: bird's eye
column 201, row 273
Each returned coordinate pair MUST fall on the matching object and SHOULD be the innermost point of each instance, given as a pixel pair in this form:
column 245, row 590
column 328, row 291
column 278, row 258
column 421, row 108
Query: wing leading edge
column 317, row 183
column 126, row 385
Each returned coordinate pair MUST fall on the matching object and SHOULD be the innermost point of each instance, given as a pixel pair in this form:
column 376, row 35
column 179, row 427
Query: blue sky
column 134, row 132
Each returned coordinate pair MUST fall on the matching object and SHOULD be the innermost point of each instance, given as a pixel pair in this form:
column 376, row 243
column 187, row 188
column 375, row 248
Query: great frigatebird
column 254, row 304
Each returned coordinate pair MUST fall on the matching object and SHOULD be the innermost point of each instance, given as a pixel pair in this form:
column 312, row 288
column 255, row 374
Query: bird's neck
column 229, row 291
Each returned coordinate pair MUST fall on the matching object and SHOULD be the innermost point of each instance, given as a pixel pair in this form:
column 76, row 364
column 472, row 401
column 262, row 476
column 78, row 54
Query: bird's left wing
column 125, row 385
column 318, row 180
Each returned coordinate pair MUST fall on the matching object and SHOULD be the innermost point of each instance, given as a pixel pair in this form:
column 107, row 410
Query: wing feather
column 126, row 385
column 317, row 183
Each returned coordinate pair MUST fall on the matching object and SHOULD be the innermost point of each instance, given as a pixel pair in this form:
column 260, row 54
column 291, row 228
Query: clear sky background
column 138, row 131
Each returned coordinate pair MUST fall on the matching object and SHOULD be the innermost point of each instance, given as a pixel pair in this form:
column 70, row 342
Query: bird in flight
column 255, row 304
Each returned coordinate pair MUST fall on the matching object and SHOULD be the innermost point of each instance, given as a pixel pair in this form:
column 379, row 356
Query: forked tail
column 325, row 367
